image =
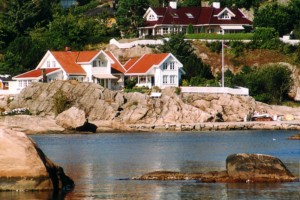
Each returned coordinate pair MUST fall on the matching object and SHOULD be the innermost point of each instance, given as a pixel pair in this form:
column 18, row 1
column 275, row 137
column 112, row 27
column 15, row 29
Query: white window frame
column 94, row 63
column 53, row 64
column 165, row 30
column 172, row 79
column 172, row 65
column 48, row 64
column 165, row 79
column 20, row 83
column 165, row 66
column 224, row 15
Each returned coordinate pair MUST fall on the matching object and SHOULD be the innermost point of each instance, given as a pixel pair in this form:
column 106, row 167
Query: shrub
column 177, row 90
column 156, row 89
column 130, row 83
column 190, row 29
column 61, row 102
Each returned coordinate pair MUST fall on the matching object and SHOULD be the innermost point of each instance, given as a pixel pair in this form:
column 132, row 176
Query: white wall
column 168, row 72
column 227, row 90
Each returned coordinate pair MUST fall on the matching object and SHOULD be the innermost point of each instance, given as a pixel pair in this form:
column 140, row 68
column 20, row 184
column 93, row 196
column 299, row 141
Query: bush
column 177, row 90
column 130, row 83
column 190, row 29
column 61, row 102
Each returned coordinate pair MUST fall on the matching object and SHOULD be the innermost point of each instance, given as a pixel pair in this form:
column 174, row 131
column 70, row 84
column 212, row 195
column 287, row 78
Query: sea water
column 98, row 163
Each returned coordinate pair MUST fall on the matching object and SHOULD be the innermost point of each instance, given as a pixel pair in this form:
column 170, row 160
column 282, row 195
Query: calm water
column 95, row 162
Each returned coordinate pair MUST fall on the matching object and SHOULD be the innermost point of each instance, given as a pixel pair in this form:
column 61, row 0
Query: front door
column 152, row 81
column 149, row 31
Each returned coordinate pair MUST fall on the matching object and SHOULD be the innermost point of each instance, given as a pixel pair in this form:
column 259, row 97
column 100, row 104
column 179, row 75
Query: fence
column 216, row 90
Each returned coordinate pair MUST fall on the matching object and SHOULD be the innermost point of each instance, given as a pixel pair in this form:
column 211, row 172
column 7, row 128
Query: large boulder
column 71, row 118
column 257, row 167
column 23, row 165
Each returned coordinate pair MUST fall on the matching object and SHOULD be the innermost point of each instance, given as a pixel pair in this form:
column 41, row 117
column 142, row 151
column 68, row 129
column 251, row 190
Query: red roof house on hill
column 160, row 21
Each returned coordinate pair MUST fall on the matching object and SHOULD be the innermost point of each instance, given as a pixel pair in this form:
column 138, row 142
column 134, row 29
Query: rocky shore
column 90, row 105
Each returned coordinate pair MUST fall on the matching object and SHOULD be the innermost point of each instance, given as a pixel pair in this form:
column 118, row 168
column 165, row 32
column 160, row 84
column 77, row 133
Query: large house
column 160, row 21
column 101, row 67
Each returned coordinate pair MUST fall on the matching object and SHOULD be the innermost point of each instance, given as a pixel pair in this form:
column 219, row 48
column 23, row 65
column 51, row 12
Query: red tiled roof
column 146, row 62
column 36, row 73
column 130, row 63
column 115, row 67
column 202, row 15
column 67, row 60
column 86, row 56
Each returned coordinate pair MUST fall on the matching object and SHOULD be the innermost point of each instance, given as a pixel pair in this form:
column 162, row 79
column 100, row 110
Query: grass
column 138, row 89
column 212, row 36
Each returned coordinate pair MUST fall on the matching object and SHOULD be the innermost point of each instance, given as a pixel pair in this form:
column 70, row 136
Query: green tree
column 130, row 16
column 190, row 29
column 176, row 45
column 191, row 3
column 280, row 17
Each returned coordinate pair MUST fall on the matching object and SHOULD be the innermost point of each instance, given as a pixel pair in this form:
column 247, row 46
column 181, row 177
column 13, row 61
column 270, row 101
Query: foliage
column 156, row 89
column 176, row 45
column 240, row 3
column 177, row 90
column 61, row 102
column 190, row 29
column 280, row 17
column 130, row 83
column 195, row 67
column 269, row 84
column 191, row 3
column 138, row 89
column 130, row 16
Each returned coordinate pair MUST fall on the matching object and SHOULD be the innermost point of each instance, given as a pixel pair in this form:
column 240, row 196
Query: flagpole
column 222, row 64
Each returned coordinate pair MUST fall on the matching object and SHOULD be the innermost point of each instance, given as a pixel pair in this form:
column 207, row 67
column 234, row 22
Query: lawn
column 212, row 36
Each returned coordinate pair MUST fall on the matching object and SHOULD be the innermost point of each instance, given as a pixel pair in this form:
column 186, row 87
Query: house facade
column 104, row 68
column 160, row 21
column 160, row 70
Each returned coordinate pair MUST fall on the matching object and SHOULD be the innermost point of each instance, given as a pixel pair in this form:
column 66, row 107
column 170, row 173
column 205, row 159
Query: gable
column 225, row 14
column 116, row 66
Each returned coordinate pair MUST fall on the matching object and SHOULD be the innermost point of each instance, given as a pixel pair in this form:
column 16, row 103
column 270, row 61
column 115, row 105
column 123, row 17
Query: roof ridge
column 117, row 60
column 165, row 15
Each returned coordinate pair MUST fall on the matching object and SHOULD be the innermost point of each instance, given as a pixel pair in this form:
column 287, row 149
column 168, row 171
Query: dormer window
column 225, row 15
column 98, row 63
column 189, row 15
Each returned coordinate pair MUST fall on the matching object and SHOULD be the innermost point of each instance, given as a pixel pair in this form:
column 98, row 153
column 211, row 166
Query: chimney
column 67, row 48
column 44, row 78
column 173, row 5
column 216, row 5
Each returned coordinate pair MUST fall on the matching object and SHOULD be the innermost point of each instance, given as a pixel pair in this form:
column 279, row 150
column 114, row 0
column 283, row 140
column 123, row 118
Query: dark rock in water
column 88, row 127
column 295, row 137
column 257, row 168
column 240, row 168
column 24, row 166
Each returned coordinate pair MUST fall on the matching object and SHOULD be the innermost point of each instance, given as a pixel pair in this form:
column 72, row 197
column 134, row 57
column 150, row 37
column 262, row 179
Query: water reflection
column 96, row 162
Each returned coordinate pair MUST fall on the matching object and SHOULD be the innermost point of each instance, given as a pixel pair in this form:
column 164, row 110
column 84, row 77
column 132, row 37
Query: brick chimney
column 67, row 48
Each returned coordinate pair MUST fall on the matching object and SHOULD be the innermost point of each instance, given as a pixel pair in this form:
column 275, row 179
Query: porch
column 144, row 80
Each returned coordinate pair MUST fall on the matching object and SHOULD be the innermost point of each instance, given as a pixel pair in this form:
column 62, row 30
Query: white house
column 89, row 66
column 160, row 70
column 101, row 67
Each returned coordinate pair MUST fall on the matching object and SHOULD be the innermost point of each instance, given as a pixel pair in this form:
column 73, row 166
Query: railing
column 216, row 90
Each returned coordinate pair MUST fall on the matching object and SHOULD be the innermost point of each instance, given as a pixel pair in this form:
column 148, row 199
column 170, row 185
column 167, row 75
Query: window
column 165, row 66
column 172, row 66
column 151, row 17
column 20, row 84
column 172, row 79
column 48, row 63
column 99, row 62
column 143, row 79
column 189, row 15
column 6, row 84
column 165, row 30
column 29, row 82
column 225, row 15
column 25, row 83
column 165, row 79
column 53, row 64
column 94, row 63
column 174, row 15
column 184, row 30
